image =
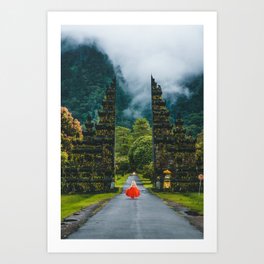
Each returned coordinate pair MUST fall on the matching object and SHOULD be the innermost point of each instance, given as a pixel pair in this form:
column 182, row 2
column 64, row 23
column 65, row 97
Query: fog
column 169, row 53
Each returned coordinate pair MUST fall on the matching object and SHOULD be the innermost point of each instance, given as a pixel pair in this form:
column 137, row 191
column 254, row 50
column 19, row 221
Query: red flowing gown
column 133, row 192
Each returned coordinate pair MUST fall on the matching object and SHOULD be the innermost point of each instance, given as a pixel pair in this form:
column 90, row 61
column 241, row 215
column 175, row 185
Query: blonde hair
column 133, row 183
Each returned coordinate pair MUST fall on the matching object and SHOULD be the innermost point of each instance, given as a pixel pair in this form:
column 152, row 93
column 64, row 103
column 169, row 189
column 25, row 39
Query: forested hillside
column 85, row 74
column 190, row 108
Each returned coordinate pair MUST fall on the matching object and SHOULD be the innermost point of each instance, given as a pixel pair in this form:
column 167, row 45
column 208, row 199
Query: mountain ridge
column 86, row 71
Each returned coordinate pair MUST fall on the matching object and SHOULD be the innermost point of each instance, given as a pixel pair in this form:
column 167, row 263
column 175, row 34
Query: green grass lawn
column 193, row 201
column 120, row 180
column 71, row 203
column 145, row 181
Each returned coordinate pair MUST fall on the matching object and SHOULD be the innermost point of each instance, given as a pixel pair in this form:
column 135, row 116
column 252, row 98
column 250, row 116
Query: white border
column 209, row 22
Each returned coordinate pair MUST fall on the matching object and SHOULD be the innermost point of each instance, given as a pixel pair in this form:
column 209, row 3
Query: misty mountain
column 85, row 73
column 190, row 107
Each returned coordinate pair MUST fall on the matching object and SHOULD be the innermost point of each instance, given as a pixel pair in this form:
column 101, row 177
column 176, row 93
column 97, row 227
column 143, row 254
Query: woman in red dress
column 133, row 190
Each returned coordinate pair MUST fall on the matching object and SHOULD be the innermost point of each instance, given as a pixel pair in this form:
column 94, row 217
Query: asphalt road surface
column 146, row 217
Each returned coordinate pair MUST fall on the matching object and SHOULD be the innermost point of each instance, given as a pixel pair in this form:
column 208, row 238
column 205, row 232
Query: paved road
column 144, row 218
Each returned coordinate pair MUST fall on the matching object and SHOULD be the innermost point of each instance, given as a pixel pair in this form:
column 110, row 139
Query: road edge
column 73, row 222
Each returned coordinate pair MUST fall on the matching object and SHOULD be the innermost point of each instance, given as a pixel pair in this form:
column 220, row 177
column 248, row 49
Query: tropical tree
column 140, row 153
column 123, row 140
column 122, row 164
column 141, row 128
column 148, row 170
column 70, row 130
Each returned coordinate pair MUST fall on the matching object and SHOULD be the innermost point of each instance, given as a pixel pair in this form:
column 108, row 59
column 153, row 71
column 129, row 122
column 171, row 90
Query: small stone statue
column 158, row 184
column 112, row 185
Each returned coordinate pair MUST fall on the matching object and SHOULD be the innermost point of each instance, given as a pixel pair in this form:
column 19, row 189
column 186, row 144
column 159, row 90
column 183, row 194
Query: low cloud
column 169, row 53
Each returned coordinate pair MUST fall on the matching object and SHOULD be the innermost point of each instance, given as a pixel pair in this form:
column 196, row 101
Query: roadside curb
column 71, row 223
column 194, row 218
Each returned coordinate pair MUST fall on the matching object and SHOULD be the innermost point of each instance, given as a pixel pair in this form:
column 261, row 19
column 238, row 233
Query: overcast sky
column 169, row 53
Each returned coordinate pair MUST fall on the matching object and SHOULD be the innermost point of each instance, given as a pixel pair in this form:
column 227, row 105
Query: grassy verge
column 120, row 181
column 145, row 181
column 192, row 201
column 71, row 203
